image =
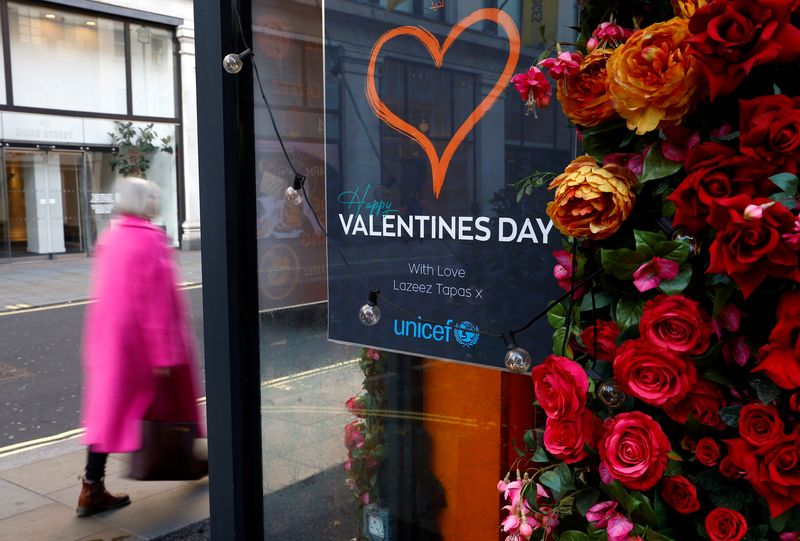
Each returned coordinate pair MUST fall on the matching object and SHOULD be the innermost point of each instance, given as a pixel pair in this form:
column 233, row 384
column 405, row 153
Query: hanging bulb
column 233, row 63
column 693, row 242
column 610, row 394
column 370, row 314
column 517, row 359
column 294, row 193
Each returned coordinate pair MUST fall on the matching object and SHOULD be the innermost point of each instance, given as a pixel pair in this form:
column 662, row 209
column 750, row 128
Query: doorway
column 42, row 211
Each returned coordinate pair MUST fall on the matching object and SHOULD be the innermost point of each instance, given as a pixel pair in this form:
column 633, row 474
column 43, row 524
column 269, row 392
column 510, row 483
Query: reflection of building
column 70, row 74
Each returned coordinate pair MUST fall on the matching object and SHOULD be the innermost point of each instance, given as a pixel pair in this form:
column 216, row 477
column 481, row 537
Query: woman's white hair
column 137, row 197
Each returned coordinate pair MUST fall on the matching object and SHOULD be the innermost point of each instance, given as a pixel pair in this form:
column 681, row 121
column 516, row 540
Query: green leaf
column 601, row 300
column 786, row 182
column 721, row 297
column 558, row 343
column 551, row 480
column 530, row 439
column 622, row 262
column 629, row 311
column 730, row 415
column 657, row 166
column 653, row 535
column 721, row 492
column 565, row 474
column 730, row 137
column 557, row 316
column 585, row 500
column 765, row 389
column 679, row 283
column 540, row 455
column 719, row 377
column 776, row 89
column 644, row 511
column 787, row 200
column 674, row 468
column 674, row 250
column 646, row 241
column 779, row 523
column 573, row 535
column 660, row 509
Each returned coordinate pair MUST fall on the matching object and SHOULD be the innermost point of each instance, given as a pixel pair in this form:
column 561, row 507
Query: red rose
column 680, row 494
column 567, row 437
column 715, row 171
column 607, row 333
column 760, row 425
column 725, row 525
column 780, row 357
column 751, row 249
column 634, row 450
column 560, row 386
column 356, row 406
column 729, row 469
column 652, row 374
column 734, row 36
column 703, row 403
column 770, row 130
column 707, row 452
column 676, row 323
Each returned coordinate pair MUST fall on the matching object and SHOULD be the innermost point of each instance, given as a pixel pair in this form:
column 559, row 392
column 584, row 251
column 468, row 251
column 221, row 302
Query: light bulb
column 369, row 315
column 232, row 63
column 517, row 360
column 610, row 394
column 293, row 196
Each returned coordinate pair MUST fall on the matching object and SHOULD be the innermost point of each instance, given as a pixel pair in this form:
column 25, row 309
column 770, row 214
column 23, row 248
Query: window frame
column 127, row 22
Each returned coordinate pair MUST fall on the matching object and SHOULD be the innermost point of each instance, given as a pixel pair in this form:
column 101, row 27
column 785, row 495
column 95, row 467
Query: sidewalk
column 38, row 480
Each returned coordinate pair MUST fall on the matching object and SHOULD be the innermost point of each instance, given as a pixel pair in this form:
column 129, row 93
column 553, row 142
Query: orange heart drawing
column 439, row 165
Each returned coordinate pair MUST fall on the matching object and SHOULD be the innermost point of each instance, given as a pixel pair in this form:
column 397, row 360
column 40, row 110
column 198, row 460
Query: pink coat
column 139, row 322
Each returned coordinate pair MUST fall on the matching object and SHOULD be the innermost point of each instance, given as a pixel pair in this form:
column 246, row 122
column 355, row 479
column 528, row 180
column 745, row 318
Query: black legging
column 95, row 466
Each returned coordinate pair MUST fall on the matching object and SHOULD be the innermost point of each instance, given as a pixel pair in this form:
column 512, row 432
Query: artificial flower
column 676, row 323
column 607, row 34
column 714, row 172
column 533, row 87
column 650, row 275
column 619, row 526
column 680, row 494
column 770, row 130
column 760, row 425
column 749, row 251
column 652, row 80
column 702, row 403
column 724, row 524
column 654, row 375
column 633, row 161
column 604, row 334
column 357, row 405
column 598, row 514
column 584, row 95
column 707, row 451
column 678, row 141
column 567, row 438
column 563, row 271
column 687, row 8
column 634, row 448
column 565, row 64
column 736, row 350
column 560, row 385
column 591, row 201
column 779, row 359
column 731, row 37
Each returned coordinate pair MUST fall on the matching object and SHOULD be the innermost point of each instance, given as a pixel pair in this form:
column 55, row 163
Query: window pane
column 152, row 73
column 49, row 45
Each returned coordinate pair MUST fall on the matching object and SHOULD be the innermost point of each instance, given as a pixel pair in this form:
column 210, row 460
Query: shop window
column 152, row 71
column 51, row 47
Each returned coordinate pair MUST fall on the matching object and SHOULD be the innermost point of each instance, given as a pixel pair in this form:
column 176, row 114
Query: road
column 40, row 369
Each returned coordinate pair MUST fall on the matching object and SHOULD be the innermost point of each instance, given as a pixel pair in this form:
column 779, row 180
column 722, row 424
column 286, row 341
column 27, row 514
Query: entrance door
column 42, row 202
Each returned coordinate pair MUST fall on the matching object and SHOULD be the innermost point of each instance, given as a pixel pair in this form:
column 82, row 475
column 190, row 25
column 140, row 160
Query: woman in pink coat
column 136, row 337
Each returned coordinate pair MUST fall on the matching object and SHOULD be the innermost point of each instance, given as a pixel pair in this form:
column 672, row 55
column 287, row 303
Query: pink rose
column 560, row 385
column 634, row 448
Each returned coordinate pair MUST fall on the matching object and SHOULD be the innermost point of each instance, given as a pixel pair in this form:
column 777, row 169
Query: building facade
column 91, row 91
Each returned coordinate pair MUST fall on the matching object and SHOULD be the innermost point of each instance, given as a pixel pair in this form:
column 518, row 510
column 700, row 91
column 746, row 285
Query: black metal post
column 230, row 289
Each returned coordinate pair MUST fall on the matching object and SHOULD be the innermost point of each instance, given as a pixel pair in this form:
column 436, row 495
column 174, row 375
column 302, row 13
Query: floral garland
column 671, row 399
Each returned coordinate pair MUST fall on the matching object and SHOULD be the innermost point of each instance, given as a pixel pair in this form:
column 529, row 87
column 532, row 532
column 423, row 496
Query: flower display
column 652, row 80
column 533, row 87
column 591, row 201
column 669, row 409
column 732, row 37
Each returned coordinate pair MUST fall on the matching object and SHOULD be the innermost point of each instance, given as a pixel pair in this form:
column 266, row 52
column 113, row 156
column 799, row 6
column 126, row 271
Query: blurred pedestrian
column 136, row 337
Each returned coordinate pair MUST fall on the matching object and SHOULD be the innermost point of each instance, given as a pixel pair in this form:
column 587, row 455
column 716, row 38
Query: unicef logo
column 466, row 333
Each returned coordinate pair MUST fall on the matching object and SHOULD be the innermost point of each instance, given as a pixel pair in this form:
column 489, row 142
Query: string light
column 610, row 394
column 232, row 63
column 370, row 314
column 294, row 193
column 517, row 359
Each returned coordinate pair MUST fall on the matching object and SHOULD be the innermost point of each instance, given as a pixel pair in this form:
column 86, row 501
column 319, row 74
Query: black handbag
column 167, row 453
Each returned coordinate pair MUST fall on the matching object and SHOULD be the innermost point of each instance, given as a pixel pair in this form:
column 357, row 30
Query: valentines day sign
column 429, row 203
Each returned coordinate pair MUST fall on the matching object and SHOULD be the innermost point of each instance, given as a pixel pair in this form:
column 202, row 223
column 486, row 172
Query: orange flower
column 652, row 79
column 584, row 95
column 686, row 8
column 591, row 201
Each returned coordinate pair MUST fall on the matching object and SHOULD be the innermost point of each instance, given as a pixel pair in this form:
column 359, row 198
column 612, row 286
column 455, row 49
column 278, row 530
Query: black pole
column 230, row 289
